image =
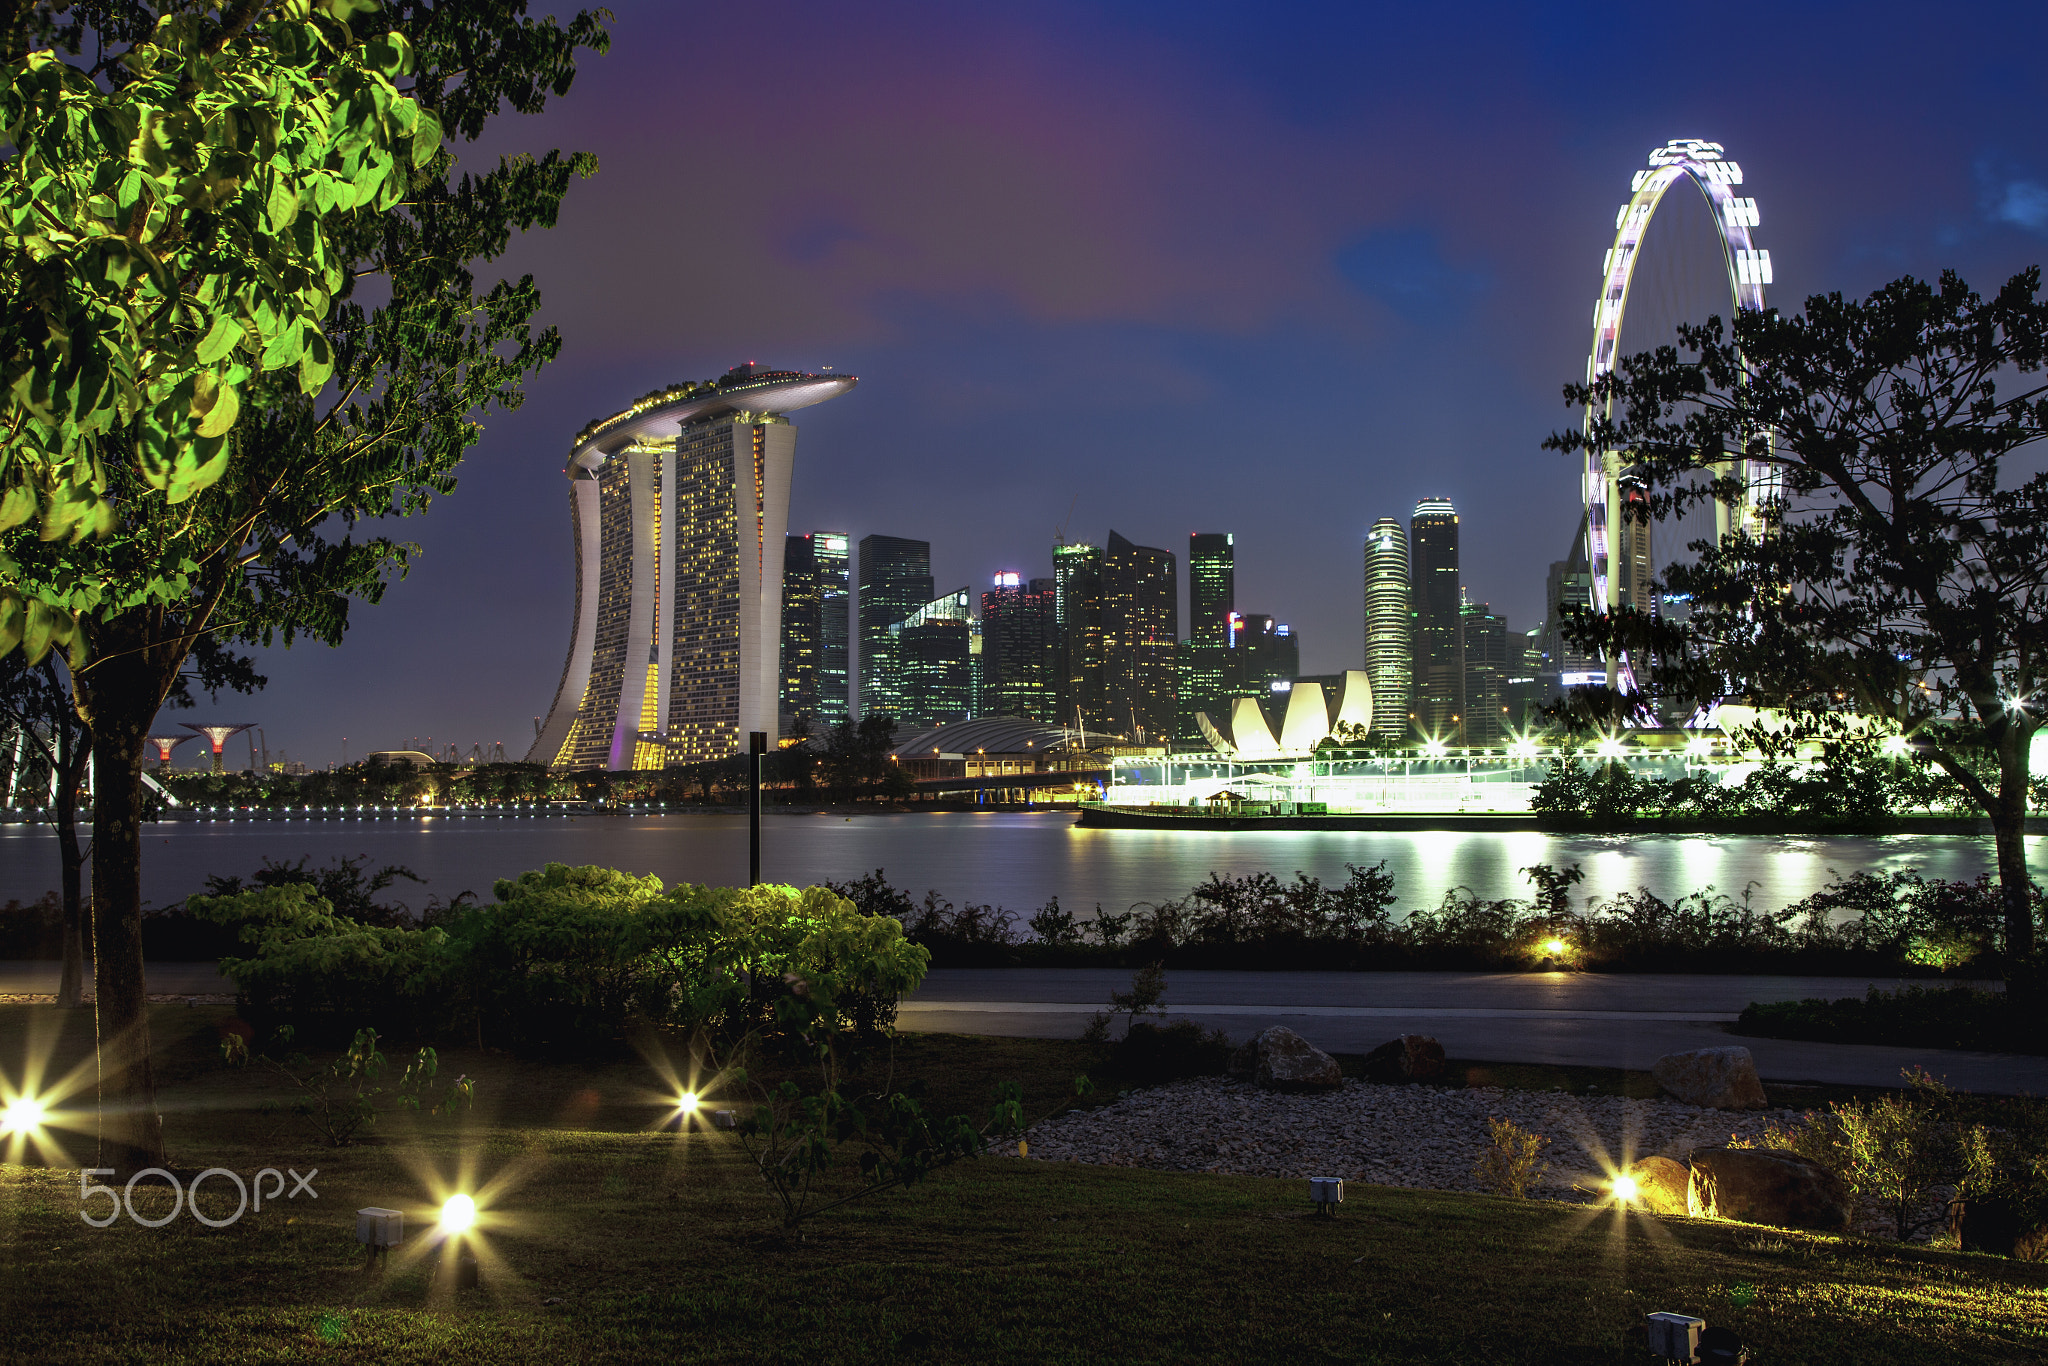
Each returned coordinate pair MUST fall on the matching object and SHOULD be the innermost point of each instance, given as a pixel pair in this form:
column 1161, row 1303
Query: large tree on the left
column 196, row 416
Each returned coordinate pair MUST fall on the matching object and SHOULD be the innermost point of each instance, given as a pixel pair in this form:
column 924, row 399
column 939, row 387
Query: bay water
column 1018, row 860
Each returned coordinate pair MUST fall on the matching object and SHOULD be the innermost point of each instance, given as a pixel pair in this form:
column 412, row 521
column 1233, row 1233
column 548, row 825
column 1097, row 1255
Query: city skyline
column 1041, row 224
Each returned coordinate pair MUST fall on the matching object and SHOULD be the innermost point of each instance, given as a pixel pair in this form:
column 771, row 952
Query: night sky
column 1268, row 269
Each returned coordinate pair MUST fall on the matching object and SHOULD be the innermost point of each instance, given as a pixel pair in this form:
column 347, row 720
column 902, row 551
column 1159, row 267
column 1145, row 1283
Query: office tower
column 1266, row 652
column 679, row 505
column 932, row 651
column 1212, row 573
column 1389, row 629
column 1570, row 585
column 1486, row 674
column 1140, row 631
column 895, row 580
column 1438, row 673
column 1077, row 617
column 800, row 623
column 1203, row 676
column 1633, row 552
column 1017, row 640
column 835, row 602
column 1522, row 696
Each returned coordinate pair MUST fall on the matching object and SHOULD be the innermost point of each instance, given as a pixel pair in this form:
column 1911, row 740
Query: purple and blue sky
column 1270, row 269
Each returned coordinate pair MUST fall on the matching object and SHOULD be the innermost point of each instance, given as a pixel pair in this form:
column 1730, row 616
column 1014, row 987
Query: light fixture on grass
column 458, row 1214
column 1625, row 1190
column 23, row 1116
column 686, row 1103
column 725, row 1119
column 1326, row 1193
column 379, row 1230
column 1675, row 1337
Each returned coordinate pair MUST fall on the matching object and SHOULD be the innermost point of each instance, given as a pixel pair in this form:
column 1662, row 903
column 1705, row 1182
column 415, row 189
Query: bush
column 32, row 930
column 1512, row 1160
column 573, row 957
column 1910, row 1152
column 1911, row 1017
column 307, row 967
column 1155, row 1053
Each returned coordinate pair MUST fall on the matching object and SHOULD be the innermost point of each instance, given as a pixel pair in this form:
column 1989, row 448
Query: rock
column 1281, row 1060
column 1717, row 1078
column 1766, row 1186
column 1412, row 1057
column 1661, row 1185
column 1999, row 1225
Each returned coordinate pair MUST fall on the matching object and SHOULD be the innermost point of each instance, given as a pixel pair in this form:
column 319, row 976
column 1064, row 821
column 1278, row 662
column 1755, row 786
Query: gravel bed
column 1387, row 1135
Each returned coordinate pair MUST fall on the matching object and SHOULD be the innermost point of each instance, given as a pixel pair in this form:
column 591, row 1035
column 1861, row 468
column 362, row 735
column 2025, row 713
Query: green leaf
column 17, row 505
column 282, row 206
column 220, row 339
column 215, row 404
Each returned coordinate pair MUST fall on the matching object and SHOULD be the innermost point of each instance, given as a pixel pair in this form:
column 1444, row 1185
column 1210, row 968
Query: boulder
column 1766, row 1186
column 2000, row 1225
column 1661, row 1185
column 1281, row 1060
column 1412, row 1057
column 1718, row 1078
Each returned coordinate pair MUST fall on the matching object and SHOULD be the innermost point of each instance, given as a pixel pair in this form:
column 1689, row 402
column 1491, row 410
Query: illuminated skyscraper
column 1017, row 640
column 931, row 653
column 835, row 603
column 679, row 506
column 1077, row 619
column 895, row 580
column 1140, row 630
column 1389, row 629
column 1438, row 672
column 1212, row 589
column 800, row 622
column 1486, row 674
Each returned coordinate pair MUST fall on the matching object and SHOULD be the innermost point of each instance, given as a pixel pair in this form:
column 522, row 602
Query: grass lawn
column 603, row 1239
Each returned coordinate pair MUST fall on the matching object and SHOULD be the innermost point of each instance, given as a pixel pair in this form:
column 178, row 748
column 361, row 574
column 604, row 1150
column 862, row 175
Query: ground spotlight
column 23, row 1115
column 1625, row 1190
column 458, row 1214
column 687, row 1102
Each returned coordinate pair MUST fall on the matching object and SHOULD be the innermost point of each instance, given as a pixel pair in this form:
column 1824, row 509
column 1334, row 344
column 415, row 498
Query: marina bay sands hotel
column 679, row 506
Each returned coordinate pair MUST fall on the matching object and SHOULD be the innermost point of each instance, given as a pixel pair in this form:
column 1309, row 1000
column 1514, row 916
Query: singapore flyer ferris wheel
column 1617, row 573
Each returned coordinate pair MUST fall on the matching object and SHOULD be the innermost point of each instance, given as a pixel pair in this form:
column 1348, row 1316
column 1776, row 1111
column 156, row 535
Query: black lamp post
column 757, row 745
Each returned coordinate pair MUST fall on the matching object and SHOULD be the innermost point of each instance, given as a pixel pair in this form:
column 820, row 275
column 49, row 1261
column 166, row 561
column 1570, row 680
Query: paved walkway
column 1588, row 1019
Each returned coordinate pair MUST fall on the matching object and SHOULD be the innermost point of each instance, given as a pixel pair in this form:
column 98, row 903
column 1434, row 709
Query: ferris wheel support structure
column 1707, row 166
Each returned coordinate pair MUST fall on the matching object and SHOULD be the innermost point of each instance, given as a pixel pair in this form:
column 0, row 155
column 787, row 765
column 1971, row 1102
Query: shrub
column 571, row 957
column 345, row 1097
column 1910, row 1017
column 1154, row 1053
column 1902, row 1151
column 30, row 930
column 305, row 965
column 1512, row 1159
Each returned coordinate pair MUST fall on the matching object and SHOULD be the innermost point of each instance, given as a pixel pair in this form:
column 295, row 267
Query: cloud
column 1405, row 269
column 2023, row 203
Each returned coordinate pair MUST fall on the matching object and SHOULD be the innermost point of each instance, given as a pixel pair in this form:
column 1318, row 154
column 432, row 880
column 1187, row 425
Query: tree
column 1900, row 566
column 35, row 701
column 268, row 551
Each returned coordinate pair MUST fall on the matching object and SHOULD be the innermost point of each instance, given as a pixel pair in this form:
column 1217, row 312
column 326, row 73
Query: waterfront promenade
column 1585, row 1019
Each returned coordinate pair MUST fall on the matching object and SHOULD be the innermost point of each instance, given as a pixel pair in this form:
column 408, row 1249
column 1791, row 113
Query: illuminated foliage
column 167, row 227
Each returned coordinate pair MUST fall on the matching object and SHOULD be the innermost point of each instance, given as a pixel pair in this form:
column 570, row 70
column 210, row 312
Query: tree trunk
column 119, row 693
column 2008, row 828
column 71, row 769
